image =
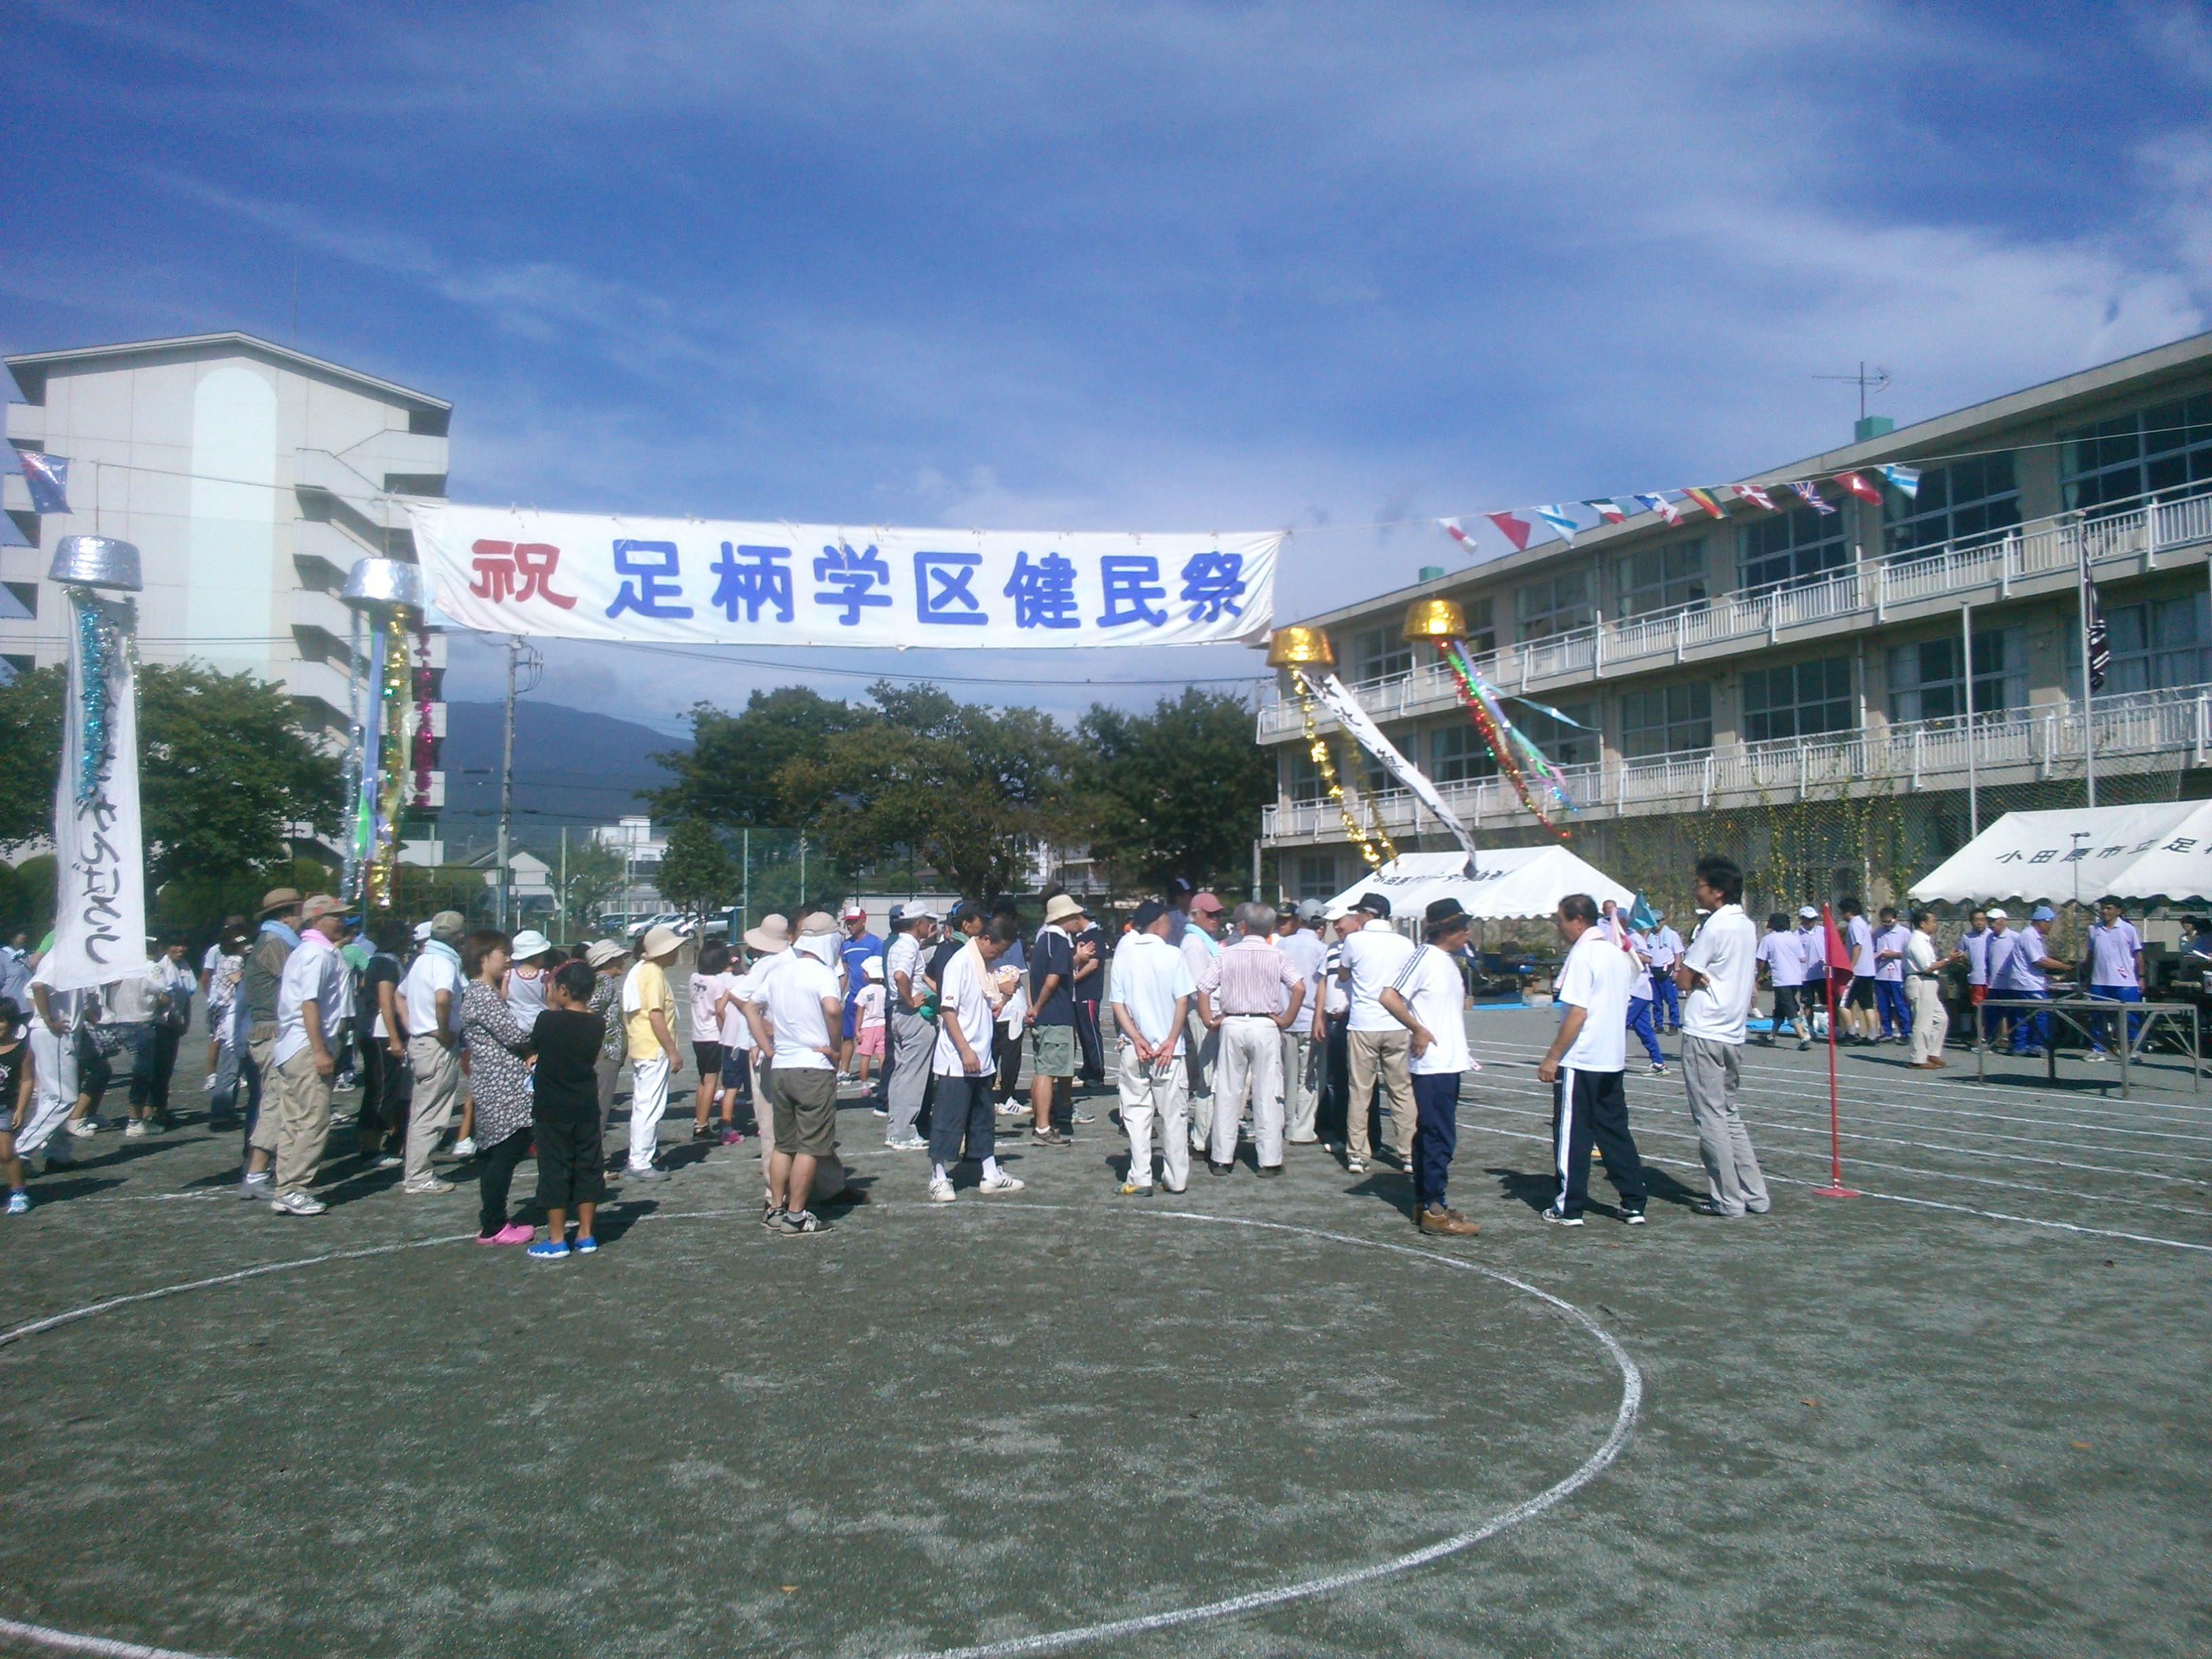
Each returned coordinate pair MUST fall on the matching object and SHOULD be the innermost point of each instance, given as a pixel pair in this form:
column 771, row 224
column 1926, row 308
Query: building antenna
column 1868, row 381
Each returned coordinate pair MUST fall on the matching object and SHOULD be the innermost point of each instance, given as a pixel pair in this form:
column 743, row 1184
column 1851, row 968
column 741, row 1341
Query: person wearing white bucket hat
column 528, row 976
column 649, row 1017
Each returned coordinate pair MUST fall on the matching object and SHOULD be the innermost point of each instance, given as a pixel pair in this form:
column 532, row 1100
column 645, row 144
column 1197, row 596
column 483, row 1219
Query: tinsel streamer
column 98, row 638
column 426, row 743
column 1503, row 736
column 392, row 760
column 1317, row 748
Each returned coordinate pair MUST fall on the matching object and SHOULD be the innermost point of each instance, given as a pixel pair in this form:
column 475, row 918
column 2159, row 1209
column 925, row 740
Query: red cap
column 854, row 913
column 1205, row 902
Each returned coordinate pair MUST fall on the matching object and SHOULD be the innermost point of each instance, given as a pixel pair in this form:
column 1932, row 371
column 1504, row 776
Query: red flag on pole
column 1839, row 960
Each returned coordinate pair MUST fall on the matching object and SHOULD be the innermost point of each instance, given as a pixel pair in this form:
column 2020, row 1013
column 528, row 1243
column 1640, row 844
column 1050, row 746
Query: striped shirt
column 1251, row 976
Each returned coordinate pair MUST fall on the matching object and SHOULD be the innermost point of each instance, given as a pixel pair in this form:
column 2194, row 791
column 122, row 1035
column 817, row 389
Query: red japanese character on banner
column 519, row 571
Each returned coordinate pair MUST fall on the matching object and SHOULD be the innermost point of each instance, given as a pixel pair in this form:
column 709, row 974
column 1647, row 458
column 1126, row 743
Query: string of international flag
column 1519, row 524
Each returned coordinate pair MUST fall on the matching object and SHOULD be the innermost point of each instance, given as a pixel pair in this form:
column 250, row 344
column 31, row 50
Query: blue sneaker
column 19, row 1202
column 586, row 1245
column 548, row 1249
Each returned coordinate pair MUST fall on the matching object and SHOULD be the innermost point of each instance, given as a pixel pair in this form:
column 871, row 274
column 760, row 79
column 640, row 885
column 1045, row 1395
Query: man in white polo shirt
column 296, row 1116
column 1151, row 992
column 1430, row 1000
column 1585, row 1066
column 1372, row 958
column 796, row 1015
column 1717, row 975
column 431, row 993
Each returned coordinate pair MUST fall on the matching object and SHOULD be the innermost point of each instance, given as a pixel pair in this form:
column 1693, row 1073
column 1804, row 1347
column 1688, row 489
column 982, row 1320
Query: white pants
column 54, row 1092
column 1146, row 1089
column 1301, row 1090
column 648, row 1102
column 1251, row 1065
column 1930, row 1024
column 1201, row 1049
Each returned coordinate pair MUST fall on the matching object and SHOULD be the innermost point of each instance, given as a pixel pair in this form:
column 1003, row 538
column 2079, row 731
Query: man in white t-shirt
column 1301, row 941
column 796, row 1012
column 295, row 1110
column 1429, row 999
column 1371, row 959
column 430, row 996
column 1150, row 991
column 1585, row 1066
column 1717, row 974
column 960, row 1111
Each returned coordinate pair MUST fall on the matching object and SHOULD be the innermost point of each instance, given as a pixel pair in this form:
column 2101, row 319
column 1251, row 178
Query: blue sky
column 1161, row 267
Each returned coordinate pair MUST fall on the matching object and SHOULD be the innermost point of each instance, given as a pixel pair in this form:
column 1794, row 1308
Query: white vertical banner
column 100, row 912
column 1340, row 702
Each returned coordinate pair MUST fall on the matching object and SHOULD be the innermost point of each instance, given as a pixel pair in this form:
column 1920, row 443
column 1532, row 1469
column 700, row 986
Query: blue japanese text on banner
column 688, row 581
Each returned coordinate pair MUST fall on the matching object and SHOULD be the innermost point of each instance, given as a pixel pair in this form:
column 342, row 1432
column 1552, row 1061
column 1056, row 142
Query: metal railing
column 2041, row 549
column 2015, row 746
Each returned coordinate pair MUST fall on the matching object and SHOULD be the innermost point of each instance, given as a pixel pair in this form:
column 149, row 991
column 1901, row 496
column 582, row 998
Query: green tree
column 729, row 776
column 695, row 874
column 594, row 872
column 225, row 768
column 969, row 790
column 1173, row 793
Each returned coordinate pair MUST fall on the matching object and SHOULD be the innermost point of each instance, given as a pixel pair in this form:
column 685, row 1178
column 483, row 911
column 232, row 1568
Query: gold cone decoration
column 1299, row 647
column 1434, row 619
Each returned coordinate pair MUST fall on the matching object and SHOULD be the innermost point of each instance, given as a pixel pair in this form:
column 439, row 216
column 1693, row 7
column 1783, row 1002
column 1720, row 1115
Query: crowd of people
column 1214, row 1028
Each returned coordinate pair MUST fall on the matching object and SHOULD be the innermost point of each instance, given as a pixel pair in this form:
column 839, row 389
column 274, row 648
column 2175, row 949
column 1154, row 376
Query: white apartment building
column 251, row 477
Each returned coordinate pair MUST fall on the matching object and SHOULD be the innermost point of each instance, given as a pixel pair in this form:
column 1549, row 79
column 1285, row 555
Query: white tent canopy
column 2160, row 851
column 1494, row 883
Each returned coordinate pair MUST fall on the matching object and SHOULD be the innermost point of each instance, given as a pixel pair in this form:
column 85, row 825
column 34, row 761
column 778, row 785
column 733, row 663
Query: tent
column 2160, row 851
column 1493, row 883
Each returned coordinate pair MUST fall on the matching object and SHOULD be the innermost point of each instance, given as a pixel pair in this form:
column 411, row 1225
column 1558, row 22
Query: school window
column 1966, row 502
column 1800, row 701
column 2156, row 644
column 1788, row 549
column 1380, row 654
column 26, row 597
column 2165, row 450
column 1481, row 632
column 1557, row 604
column 1457, row 754
column 1663, row 578
column 1927, row 681
column 1302, row 777
column 1668, row 720
column 1316, row 876
column 12, row 666
column 1570, row 742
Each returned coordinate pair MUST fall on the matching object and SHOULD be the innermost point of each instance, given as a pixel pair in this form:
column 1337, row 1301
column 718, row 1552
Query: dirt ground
column 1962, row 1414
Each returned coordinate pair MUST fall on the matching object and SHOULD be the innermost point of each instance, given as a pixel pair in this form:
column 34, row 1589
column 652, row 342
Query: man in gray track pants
column 913, row 1039
column 1717, row 977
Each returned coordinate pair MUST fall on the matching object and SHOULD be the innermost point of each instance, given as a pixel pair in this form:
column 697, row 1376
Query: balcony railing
column 2041, row 549
column 2133, row 733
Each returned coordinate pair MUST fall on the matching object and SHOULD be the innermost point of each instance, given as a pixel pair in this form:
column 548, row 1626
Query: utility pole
column 522, row 657
column 562, row 918
column 802, row 873
column 745, row 883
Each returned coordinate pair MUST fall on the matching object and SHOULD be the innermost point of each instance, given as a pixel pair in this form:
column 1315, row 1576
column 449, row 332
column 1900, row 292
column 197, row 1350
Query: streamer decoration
column 103, row 628
column 1519, row 759
column 1298, row 649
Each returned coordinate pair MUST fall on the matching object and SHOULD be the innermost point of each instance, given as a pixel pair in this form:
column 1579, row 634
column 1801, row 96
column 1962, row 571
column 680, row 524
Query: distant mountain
column 571, row 767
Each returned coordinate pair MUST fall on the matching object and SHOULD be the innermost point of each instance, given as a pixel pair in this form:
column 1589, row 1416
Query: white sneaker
column 134, row 1130
column 427, row 1188
column 940, row 1190
column 466, row 1146
column 1012, row 1107
column 207, row 1083
column 298, row 1204
column 911, row 1144
column 1001, row 1182
column 84, row 1129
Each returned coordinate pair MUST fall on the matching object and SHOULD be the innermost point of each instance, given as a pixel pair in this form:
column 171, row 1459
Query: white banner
column 1353, row 718
column 99, row 912
column 694, row 582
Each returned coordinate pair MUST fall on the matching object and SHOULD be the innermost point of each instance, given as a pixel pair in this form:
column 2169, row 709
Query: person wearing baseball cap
column 2025, row 978
column 855, row 950
column 1051, row 1021
column 430, row 1005
column 275, row 938
column 1377, row 1045
column 295, row 1121
column 1301, row 1073
column 912, row 1034
column 648, row 1009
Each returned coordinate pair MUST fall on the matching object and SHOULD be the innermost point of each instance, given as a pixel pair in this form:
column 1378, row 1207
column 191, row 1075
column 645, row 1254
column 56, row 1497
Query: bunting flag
column 1665, row 508
column 1703, row 499
column 1457, row 531
column 1546, row 708
column 1607, row 510
column 1556, row 517
column 1906, row 478
column 1859, row 487
column 1812, row 497
column 1516, row 529
column 1755, row 495
column 48, row 477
